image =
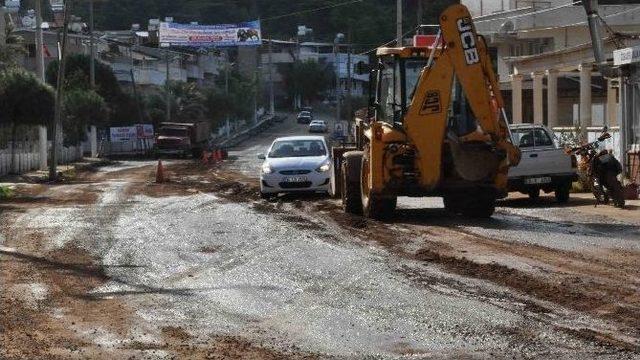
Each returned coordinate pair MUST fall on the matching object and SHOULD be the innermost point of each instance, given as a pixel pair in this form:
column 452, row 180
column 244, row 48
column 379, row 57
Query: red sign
column 425, row 40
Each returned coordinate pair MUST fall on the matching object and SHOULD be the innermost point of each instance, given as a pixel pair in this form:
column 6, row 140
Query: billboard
column 129, row 133
column 241, row 34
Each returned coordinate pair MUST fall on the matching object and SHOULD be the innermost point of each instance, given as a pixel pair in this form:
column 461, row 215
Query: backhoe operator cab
column 435, row 126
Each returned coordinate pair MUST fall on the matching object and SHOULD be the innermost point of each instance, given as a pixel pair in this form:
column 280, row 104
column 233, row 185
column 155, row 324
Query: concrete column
column 516, row 98
column 612, row 103
column 585, row 99
column 93, row 141
column 42, row 147
column 552, row 98
column 538, row 106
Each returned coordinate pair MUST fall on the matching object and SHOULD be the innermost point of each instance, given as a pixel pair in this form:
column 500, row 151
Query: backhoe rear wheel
column 350, row 178
column 374, row 206
column 479, row 204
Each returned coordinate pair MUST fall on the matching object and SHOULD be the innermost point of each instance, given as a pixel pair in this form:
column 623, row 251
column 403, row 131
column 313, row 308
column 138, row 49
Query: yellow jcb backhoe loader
column 436, row 126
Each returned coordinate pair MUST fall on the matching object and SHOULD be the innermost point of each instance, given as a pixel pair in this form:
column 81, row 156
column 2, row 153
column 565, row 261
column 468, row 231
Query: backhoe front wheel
column 374, row 206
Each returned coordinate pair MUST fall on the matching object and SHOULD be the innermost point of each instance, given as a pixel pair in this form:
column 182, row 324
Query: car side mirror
column 261, row 156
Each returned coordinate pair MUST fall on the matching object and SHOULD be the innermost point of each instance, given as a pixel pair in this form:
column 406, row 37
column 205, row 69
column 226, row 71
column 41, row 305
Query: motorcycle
column 602, row 169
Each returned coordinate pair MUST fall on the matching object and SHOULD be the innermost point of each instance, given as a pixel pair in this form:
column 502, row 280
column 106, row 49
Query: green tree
column 77, row 70
column 82, row 108
column 187, row 103
column 307, row 78
column 24, row 102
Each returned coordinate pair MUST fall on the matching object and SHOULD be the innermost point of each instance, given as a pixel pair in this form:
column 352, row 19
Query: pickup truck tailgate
column 542, row 161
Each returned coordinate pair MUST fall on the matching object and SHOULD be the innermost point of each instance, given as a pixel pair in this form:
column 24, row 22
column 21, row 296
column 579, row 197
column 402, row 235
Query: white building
column 545, row 59
column 284, row 53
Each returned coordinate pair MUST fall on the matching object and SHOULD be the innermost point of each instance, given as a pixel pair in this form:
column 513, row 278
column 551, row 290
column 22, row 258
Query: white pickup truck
column 544, row 165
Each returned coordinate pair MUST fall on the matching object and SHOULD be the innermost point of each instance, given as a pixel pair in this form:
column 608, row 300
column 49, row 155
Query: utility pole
column 167, row 88
column 399, row 22
column 92, row 65
column 272, row 99
column 419, row 12
column 42, row 130
column 57, row 120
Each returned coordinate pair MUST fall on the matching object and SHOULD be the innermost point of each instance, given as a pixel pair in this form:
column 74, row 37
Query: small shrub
column 5, row 192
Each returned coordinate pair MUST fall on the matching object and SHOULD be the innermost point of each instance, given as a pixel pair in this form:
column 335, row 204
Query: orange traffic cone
column 160, row 172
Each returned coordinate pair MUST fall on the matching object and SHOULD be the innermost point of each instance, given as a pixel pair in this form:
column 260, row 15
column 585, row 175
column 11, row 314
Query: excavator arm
column 463, row 55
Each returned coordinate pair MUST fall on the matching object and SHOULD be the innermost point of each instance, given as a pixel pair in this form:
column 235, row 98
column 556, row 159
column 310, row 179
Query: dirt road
column 115, row 266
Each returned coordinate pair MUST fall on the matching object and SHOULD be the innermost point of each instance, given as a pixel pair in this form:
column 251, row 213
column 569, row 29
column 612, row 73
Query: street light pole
column 399, row 22
column 272, row 106
column 39, row 42
column 336, row 52
column 167, row 89
column 338, row 92
column 92, row 65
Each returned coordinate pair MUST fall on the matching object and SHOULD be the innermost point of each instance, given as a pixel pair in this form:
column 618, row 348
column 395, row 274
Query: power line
column 388, row 42
column 530, row 13
column 312, row 10
column 584, row 22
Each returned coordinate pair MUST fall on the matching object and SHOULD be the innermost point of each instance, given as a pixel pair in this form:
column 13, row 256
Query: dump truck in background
column 182, row 139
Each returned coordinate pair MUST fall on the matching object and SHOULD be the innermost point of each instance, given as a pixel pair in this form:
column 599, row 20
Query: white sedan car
column 295, row 164
column 318, row 126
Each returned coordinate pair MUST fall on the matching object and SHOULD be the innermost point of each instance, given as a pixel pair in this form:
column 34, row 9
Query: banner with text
column 241, row 34
column 129, row 133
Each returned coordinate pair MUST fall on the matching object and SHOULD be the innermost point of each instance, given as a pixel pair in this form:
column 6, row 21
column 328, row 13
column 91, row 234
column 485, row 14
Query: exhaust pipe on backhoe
column 593, row 18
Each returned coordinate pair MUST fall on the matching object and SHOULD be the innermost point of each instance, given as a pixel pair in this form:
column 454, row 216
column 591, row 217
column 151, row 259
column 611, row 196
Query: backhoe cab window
column 412, row 70
column 389, row 100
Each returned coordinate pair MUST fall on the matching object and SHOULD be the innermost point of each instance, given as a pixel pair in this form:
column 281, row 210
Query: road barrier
column 234, row 139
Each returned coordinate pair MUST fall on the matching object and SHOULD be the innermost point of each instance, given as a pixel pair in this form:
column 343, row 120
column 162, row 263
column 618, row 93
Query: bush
column 5, row 192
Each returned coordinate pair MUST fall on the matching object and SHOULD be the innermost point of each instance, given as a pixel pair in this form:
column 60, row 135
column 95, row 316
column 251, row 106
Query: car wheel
column 267, row 196
column 351, row 202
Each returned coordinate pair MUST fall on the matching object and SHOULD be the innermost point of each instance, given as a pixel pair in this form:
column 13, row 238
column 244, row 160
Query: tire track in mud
column 574, row 281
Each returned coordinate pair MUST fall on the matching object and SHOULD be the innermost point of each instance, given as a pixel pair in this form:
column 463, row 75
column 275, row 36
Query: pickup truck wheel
column 534, row 194
column 479, row 204
column 351, row 187
column 562, row 193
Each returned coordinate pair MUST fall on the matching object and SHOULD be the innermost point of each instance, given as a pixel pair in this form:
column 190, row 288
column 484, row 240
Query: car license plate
column 537, row 180
column 295, row 179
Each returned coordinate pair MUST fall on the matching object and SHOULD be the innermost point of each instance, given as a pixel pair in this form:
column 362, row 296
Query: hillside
column 371, row 21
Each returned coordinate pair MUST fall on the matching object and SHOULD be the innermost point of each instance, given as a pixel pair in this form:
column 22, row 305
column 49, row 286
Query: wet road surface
column 118, row 266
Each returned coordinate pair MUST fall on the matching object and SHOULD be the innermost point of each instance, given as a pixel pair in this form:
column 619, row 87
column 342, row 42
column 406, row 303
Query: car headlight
column 266, row 168
column 324, row 167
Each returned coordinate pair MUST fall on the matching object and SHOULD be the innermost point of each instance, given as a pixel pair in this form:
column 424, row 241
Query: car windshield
column 317, row 122
column 304, row 113
column 531, row 137
column 173, row 132
column 297, row 148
